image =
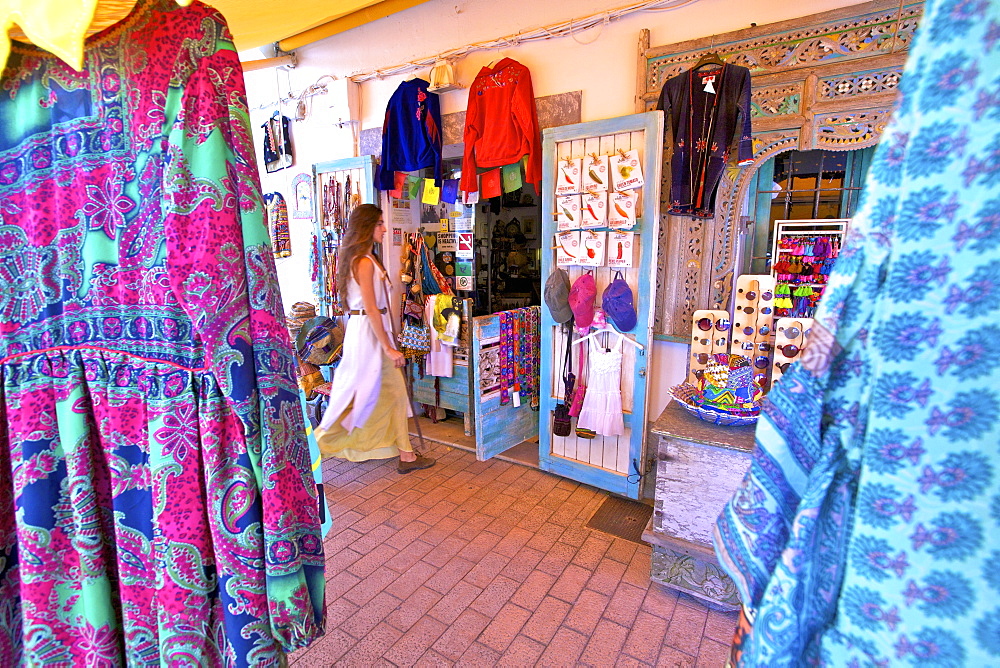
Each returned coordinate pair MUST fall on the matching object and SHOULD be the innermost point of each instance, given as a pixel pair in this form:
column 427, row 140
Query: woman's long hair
column 358, row 241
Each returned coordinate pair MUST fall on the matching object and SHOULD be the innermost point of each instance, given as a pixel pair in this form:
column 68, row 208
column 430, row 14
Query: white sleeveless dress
column 366, row 417
column 602, row 405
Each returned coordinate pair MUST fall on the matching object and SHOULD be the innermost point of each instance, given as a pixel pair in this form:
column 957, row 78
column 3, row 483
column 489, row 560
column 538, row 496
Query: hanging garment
column 705, row 111
column 277, row 224
column 602, row 405
column 440, row 360
column 865, row 531
column 157, row 504
column 501, row 123
column 277, row 143
column 411, row 133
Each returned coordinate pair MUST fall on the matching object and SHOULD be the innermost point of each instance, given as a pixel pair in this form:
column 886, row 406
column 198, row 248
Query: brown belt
column 362, row 312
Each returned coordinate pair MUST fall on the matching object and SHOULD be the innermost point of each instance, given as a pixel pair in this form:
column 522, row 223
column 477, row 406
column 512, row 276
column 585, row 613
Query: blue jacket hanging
column 411, row 134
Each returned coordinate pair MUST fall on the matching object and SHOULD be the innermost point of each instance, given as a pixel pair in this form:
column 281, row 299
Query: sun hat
column 581, row 300
column 618, row 304
column 557, row 296
column 319, row 341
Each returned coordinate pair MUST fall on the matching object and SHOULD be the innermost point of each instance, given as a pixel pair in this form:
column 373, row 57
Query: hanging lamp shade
column 59, row 26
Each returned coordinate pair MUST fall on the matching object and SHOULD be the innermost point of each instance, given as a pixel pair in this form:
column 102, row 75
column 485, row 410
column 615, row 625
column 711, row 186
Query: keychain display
column 801, row 267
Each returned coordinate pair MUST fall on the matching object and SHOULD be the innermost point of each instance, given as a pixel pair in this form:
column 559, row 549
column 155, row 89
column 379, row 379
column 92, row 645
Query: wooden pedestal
column 699, row 466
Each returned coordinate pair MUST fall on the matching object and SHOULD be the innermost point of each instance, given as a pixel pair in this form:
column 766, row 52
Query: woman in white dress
column 366, row 417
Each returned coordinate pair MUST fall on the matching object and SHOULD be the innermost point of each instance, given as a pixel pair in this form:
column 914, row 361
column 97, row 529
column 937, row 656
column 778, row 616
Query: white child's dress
column 602, row 405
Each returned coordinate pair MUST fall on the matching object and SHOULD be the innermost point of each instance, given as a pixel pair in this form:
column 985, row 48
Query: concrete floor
column 490, row 563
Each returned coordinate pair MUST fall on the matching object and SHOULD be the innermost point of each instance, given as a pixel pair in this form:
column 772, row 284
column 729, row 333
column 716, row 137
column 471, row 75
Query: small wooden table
column 699, row 466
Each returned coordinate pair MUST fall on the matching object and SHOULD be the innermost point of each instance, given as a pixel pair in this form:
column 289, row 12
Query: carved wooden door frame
column 825, row 81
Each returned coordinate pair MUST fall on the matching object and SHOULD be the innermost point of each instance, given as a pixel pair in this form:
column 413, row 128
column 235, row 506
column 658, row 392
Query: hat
column 557, row 295
column 442, row 76
column 618, row 304
column 581, row 300
column 319, row 341
column 302, row 311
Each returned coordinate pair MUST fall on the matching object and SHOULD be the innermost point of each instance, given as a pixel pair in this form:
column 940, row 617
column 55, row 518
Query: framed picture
column 528, row 226
column 302, row 196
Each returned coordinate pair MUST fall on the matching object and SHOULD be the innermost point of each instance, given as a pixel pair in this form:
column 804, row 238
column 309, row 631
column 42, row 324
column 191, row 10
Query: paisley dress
column 157, row 505
column 866, row 531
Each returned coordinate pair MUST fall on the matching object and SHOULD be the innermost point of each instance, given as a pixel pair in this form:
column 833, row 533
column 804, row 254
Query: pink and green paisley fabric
column 157, row 504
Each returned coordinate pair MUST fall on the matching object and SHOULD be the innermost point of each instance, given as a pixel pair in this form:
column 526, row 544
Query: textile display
column 157, row 501
column 501, row 124
column 440, row 359
column 411, row 133
column 705, row 111
column 277, row 143
column 277, row 224
column 864, row 532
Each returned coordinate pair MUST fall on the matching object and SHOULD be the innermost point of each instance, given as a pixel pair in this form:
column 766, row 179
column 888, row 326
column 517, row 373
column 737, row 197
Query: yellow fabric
column 383, row 435
column 59, row 26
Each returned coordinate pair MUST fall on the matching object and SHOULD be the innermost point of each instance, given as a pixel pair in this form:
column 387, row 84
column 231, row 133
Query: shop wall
column 601, row 62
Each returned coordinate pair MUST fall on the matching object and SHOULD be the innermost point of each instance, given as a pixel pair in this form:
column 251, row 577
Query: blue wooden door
column 498, row 426
column 607, row 462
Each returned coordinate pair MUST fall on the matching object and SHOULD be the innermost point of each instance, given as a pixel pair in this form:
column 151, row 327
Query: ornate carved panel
column 840, row 132
column 776, row 101
column 862, row 83
column 822, row 81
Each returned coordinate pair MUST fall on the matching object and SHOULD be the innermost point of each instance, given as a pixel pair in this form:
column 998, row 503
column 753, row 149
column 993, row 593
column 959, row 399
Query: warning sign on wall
column 464, row 245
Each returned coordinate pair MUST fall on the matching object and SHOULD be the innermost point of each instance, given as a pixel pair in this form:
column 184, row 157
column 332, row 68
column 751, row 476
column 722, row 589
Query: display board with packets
column 596, row 203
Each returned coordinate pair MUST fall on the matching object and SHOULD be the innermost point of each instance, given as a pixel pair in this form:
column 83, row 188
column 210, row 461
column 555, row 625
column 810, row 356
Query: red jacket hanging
column 501, row 124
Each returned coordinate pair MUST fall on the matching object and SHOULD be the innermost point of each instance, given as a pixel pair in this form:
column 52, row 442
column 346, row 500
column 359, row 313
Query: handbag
column 414, row 340
column 576, row 404
column 561, row 420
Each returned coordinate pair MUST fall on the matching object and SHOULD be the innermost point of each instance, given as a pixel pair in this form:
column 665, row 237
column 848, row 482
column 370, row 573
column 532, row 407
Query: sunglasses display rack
column 709, row 336
column 753, row 322
column 790, row 339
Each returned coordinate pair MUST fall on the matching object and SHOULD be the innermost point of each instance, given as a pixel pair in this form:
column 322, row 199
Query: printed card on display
column 463, row 283
column 512, row 177
column 595, row 173
column 463, row 267
column 432, row 194
column 626, row 170
column 621, row 209
column 592, row 248
column 447, row 242
column 621, row 249
column 594, row 207
column 567, row 248
column 445, row 225
column 568, row 213
column 568, row 177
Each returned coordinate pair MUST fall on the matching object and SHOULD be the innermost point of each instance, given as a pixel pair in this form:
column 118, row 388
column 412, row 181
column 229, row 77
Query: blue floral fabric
column 867, row 530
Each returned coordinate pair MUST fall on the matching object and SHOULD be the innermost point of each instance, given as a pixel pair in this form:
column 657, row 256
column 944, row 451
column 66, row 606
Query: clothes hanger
column 711, row 58
column 610, row 330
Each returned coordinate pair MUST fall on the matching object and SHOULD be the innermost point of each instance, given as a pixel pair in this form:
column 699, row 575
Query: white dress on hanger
column 602, row 405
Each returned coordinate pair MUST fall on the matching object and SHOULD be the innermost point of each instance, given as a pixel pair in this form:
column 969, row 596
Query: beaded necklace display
column 506, row 355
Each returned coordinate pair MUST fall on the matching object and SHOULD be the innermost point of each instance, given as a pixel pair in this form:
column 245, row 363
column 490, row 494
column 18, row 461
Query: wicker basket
column 685, row 393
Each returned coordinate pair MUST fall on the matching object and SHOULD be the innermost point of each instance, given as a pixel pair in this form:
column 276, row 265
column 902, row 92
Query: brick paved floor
column 490, row 563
